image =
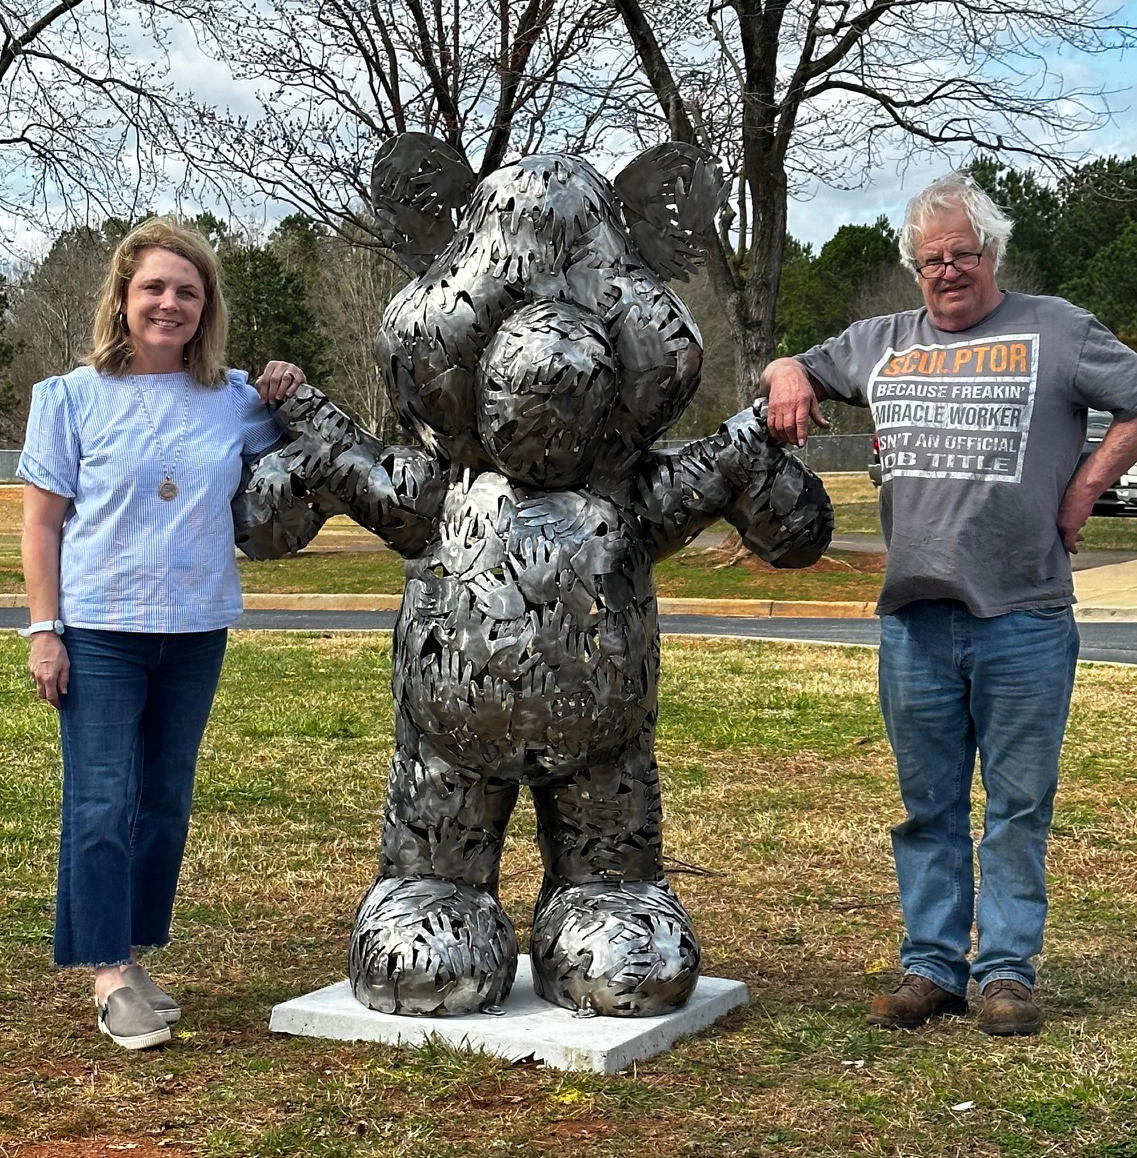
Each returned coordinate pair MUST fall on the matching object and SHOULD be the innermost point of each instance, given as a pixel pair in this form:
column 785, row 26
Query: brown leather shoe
column 1008, row 1007
column 914, row 1001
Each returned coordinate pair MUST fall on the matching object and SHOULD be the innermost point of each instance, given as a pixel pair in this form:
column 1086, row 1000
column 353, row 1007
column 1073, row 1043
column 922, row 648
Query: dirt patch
column 101, row 1148
column 853, row 562
column 860, row 562
column 578, row 1129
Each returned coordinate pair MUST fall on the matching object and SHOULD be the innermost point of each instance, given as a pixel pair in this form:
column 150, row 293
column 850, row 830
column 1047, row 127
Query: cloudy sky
column 817, row 219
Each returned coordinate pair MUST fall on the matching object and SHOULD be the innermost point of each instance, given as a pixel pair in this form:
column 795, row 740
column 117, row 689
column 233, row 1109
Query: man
column 979, row 401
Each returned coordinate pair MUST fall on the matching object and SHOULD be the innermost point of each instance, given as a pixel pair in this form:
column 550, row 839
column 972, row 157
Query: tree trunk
column 753, row 352
column 756, row 306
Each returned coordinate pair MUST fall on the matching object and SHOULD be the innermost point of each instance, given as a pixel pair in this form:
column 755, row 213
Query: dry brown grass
column 777, row 779
column 346, row 559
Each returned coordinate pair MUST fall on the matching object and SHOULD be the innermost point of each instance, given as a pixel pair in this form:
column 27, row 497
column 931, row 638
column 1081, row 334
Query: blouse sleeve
column 259, row 431
column 50, row 458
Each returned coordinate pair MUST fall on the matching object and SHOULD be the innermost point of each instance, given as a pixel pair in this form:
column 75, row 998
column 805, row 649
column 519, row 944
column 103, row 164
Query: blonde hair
column 111, row 347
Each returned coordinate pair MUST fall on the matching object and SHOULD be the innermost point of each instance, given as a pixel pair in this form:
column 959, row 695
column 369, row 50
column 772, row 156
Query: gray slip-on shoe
column 159, row 1000
column 128, row 1021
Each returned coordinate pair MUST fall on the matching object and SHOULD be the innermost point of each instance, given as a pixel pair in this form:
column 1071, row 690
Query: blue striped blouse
column 131, row 561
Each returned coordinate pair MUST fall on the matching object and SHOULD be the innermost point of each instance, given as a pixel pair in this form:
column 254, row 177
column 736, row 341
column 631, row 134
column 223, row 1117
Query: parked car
column 1121, row 498
column 874, row 462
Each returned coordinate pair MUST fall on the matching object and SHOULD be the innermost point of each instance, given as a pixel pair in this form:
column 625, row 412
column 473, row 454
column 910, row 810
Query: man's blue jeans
column 131, row 725
column 951, row 684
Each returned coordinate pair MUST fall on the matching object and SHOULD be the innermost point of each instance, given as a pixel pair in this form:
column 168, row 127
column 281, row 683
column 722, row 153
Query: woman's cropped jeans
column 952, row 684
column 131, row 724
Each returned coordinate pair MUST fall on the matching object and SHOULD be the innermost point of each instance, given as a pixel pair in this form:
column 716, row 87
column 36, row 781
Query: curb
column 731, row 608
column 727, row 608
column 756, row 608
column 767, row 608
column 1105, row 614
column 304, row 601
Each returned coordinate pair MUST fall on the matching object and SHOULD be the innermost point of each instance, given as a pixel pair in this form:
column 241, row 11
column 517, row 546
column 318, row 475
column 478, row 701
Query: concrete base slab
column 527, row 1029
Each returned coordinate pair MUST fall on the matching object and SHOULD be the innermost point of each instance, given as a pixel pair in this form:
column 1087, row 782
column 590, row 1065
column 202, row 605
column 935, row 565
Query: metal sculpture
column 537, row 358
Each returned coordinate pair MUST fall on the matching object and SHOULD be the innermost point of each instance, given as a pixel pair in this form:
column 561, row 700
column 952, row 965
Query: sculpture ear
column 417, row 184
column 670, row 195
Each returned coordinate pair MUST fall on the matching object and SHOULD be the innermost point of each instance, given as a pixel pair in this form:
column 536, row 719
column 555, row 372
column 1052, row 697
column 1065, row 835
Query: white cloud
column 816, row 220
column 210, row 81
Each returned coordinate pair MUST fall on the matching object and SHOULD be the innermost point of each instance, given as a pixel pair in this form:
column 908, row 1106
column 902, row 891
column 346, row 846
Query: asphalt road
column 1101, row 642
column 1084, row 560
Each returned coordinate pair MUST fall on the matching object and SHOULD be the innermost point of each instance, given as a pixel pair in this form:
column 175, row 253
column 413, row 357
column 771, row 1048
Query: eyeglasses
column 930, row 270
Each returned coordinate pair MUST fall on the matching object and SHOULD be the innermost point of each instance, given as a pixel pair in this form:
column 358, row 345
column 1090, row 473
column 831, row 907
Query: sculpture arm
column 776, row 503
column 272, row 515
column 328, row 465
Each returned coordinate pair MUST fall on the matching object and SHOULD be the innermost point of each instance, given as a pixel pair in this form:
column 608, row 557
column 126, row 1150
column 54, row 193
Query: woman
column 130, row 464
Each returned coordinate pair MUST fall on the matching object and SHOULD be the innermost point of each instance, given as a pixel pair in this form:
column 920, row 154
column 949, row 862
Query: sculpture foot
column 622, row 950
column 430, row 947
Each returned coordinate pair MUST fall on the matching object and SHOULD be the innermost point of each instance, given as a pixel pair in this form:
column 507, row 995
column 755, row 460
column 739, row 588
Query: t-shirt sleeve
column 1107, row 373
column 833, row 364
column 50, row 458
column 259, row 431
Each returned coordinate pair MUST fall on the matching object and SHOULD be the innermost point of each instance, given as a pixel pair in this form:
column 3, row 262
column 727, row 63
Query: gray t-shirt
column 980, row 431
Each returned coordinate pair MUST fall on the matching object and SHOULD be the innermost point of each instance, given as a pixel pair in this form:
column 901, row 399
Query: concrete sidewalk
column 1107, row 592
column 755, row 608
column 1103, row 594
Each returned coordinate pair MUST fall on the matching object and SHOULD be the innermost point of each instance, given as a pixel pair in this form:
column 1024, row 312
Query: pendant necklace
column 167, row 488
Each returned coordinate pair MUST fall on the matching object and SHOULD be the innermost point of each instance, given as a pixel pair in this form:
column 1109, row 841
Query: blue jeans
column 952, row 684
column 131, row 725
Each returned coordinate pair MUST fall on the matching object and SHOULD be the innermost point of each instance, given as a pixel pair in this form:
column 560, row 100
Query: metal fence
column 822, row 453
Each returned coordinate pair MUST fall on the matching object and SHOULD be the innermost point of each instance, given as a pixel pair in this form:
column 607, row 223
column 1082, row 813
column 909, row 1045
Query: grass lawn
column 691, row 573
column 777, row 780
column 345, row 559
column 855, row 503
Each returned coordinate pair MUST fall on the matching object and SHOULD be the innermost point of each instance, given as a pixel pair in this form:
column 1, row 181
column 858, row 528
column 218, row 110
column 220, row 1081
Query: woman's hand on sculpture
column 49, row 666
column 279, row 380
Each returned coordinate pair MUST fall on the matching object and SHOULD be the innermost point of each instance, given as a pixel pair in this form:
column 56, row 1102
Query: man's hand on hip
column 1073, row 512
column 1115, row 454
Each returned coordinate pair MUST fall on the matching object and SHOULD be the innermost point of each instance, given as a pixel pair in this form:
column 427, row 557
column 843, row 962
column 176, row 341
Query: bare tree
column 84, row 108
column 715, row 398
column 788, row 91
column 51, row 308
column 354, row 286
column 493, row 78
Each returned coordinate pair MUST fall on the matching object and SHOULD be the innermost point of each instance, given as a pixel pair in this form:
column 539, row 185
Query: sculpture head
column 539, row 335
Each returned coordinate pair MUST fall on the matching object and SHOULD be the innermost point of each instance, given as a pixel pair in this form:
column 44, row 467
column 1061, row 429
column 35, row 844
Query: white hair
column 956, row 191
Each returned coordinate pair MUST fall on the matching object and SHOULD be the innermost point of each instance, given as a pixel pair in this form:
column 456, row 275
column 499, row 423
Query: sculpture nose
column 545, row 386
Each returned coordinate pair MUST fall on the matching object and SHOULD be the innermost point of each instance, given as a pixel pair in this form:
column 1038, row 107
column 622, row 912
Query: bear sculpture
column 537, row 354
